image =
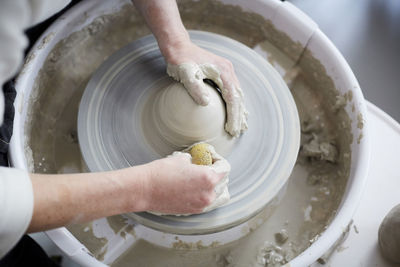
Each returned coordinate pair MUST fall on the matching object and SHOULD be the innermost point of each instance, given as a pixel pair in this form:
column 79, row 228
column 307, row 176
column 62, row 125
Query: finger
column 211, row 72
column 182, row 155
column 222, row 182
column 236, row 112
column 211, row 197
column 192, row 78
column 214, row 155
column 220, row 200
column 218, row 177
column 209, row 178
column 221, row 166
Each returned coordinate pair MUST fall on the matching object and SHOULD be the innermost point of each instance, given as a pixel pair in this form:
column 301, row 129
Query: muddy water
column 315, row 187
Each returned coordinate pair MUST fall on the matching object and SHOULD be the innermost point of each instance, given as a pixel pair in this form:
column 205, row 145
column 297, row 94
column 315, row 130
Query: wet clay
column 192, row 76
column 315, row 187
column 173, row 121
column 389, row 235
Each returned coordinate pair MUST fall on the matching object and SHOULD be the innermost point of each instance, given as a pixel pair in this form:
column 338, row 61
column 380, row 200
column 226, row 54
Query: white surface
column 16, row 207
column 380, row 196
column 52, row 250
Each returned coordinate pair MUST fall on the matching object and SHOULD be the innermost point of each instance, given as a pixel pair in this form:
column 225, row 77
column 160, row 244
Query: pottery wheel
column 111, row 136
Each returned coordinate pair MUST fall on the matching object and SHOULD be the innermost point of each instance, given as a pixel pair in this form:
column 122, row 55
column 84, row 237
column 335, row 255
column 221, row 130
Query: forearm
column 61, row 200
column 163, row 19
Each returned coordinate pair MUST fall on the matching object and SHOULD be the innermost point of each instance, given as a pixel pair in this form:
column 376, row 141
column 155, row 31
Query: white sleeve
column 16, row 206
column 16, row 193
column 15, row 17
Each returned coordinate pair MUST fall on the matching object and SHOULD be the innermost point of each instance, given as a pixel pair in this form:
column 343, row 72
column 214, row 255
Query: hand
column 176, row 186
column 190, row 64
column 219, row 165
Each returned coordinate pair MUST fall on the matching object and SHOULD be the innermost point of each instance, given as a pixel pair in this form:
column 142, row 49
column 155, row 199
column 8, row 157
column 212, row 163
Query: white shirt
column 16, row 193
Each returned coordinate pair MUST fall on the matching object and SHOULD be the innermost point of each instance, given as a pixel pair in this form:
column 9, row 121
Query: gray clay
column 389, row 235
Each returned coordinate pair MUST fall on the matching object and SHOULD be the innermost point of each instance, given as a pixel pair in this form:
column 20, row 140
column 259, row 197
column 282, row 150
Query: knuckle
column 208, row 179
column 205, row 177
column 202, row 201
column 229, row 97
column 210, row 198
column 227, row 66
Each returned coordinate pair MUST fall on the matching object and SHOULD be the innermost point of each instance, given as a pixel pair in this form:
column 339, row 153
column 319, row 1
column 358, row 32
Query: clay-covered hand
column 191, row 65
column 176, row 186
column 202, row 153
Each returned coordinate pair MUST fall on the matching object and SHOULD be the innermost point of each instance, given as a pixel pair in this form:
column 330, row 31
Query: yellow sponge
column 201, row 155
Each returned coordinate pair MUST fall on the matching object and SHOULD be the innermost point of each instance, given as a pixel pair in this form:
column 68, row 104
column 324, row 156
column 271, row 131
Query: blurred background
column 367, row 33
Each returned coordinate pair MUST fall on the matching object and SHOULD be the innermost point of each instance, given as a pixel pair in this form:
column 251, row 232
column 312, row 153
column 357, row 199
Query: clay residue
column 46, row 40
column 325, row 150
column 337, row 246
column 145, row 254
column 281, row 237
column 121, row 226
column 232, row 21
column 360, row 121
column 272, row 255
column 84, row 233
column 179, row 244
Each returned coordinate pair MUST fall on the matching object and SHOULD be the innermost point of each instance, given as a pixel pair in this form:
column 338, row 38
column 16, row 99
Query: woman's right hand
column 176, row 186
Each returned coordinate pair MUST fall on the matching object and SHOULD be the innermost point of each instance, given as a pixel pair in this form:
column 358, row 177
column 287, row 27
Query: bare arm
column 165, row 22
column 74, row 198
column 170, row 185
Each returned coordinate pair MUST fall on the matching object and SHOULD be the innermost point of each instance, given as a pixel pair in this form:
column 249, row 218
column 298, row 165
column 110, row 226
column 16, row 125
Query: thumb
column 181, row 155
column 192, row 77
column 220, row 165
column 212, row 72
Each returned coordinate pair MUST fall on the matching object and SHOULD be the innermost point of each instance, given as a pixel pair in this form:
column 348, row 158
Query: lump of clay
column 272, row 256
column 176, row 121
column 320, row 151
column 389, row 235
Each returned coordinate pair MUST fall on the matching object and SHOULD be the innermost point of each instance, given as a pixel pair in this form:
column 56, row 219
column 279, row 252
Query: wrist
column 135, row 182
column 170, row 45
column 149, row 170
